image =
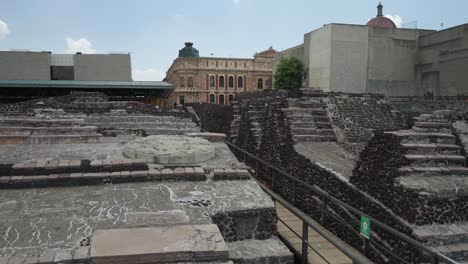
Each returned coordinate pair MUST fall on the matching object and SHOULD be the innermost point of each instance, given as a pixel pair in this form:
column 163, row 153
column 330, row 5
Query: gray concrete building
column 28, row 65
column 381, row 58
column 28, row 74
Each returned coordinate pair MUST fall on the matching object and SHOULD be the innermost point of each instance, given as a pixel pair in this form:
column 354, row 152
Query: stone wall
column 421, row 106
column 356, row 118
column 375, row 173
column 276, row 147
column 214, row 118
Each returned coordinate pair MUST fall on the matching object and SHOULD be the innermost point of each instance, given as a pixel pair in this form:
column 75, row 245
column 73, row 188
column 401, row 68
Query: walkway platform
column 329, row 253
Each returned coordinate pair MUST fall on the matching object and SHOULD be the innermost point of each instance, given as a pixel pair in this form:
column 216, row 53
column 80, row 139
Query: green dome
column 188, row 51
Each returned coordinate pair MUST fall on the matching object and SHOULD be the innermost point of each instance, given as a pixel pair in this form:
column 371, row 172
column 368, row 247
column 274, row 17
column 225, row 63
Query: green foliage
column 288, row 74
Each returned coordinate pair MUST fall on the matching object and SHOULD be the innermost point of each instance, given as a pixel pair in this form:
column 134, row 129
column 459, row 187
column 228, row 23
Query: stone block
column 115, row 174
column 243, row 174
column 5, row 179
column 139, row 175
column 182, row 243
column 199, row 171
column 30, row 260
column 52, row 165
column 81, row 254
column 179, row 173
column 96, row 165
column 154, row 175
column 63, row 256
column 167, row 174
column 16, row 260
column 16, row 179
column 107, row 165
column 63, row 164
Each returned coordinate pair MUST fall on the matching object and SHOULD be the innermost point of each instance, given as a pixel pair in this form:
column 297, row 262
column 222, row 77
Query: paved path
column 320, row 244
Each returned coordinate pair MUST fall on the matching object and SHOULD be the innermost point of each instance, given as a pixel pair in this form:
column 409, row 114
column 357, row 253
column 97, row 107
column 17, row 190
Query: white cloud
column 396, row 19
column 4, row 30
column 151, row 74
column 80, row 45
column 236, row 1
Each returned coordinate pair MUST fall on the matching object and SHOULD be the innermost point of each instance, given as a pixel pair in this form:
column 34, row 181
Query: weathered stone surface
column 174, row 244
column 253, row 251
column 40, row 219
column 170, row 149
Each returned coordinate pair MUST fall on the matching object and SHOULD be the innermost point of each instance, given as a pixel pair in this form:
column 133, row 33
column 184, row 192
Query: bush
column 288, row 74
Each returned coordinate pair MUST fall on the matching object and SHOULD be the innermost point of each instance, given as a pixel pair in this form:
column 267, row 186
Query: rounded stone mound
column 170, row 149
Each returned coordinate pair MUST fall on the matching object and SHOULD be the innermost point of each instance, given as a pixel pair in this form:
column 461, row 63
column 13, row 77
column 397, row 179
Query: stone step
column 432, row 148
column 39, row 122
column 49, row 139
column 320, row 125
column 298, row 110
column 312, row 138
column 270, row 250
column 433, row 124
column 413, row 137
column 431, row 119
column 182, row 243
column 312, row 131
column 442, row 234
column 430, row 171
column 444, row 186
column 429, row 129
column 455, row 251
column 80, row 130
column 437, row 160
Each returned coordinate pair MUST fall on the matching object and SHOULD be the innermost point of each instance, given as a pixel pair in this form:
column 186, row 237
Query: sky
column 153, row 31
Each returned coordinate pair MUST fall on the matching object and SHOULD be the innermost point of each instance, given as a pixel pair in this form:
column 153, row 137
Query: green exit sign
column 365, row 227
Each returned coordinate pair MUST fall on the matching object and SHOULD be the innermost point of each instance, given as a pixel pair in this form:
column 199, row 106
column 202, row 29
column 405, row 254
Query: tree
column 288, row 74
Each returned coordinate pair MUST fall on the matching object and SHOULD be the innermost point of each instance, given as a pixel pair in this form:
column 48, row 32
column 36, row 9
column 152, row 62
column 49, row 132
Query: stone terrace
column 69, row 199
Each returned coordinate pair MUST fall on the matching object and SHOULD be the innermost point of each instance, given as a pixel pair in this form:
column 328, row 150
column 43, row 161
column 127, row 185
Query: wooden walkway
column 320, row 244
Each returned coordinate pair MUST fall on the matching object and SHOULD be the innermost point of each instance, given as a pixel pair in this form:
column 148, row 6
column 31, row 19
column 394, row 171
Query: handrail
column 310, row 222
column 415, row 243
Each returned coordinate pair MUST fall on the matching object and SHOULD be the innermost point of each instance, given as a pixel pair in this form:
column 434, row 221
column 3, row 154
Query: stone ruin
column 409, row 173
column 88, row 180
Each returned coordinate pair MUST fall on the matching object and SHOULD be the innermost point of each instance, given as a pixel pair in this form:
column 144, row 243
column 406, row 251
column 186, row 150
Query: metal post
column 305, row 242
column 324, row 210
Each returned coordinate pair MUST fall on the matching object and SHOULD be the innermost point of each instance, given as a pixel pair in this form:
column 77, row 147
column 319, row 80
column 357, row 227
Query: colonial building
column 380, row 58
column 217, row 80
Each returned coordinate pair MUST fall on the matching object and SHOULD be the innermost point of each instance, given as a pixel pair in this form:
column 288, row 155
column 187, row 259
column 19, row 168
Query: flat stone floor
column 111, row 148
column 34, row 221
column 328, row 155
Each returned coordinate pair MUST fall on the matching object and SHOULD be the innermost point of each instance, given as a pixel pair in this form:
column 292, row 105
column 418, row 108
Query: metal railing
column 328, row 208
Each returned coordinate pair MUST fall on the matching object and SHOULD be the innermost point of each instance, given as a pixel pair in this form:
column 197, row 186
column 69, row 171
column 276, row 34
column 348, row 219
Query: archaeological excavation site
column 270, row 178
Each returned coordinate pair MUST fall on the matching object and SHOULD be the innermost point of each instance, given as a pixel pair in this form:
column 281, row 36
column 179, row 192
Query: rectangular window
column 260, row 83
column 221, row 99
column 182, row 82
column 212, row 81
column 62, row 72
column 231, row 82
column 190, row 82
column 212, row 98
column 182, row 100
column 231, row 97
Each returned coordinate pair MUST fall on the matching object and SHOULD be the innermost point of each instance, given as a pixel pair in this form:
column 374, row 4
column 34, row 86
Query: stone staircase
column 309, row 121
column 152, row 125
column 32, row 130
column 437, row 170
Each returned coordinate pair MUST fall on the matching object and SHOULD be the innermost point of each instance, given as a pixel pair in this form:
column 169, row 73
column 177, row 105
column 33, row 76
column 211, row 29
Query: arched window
column 240, row 82
column 182, row 82
column 212, row 81
column 221, row 99
column 231, row 97
column 231, row 81
column 190, row 82
column 221, row 81
column 260, row 83
column 212, row 98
